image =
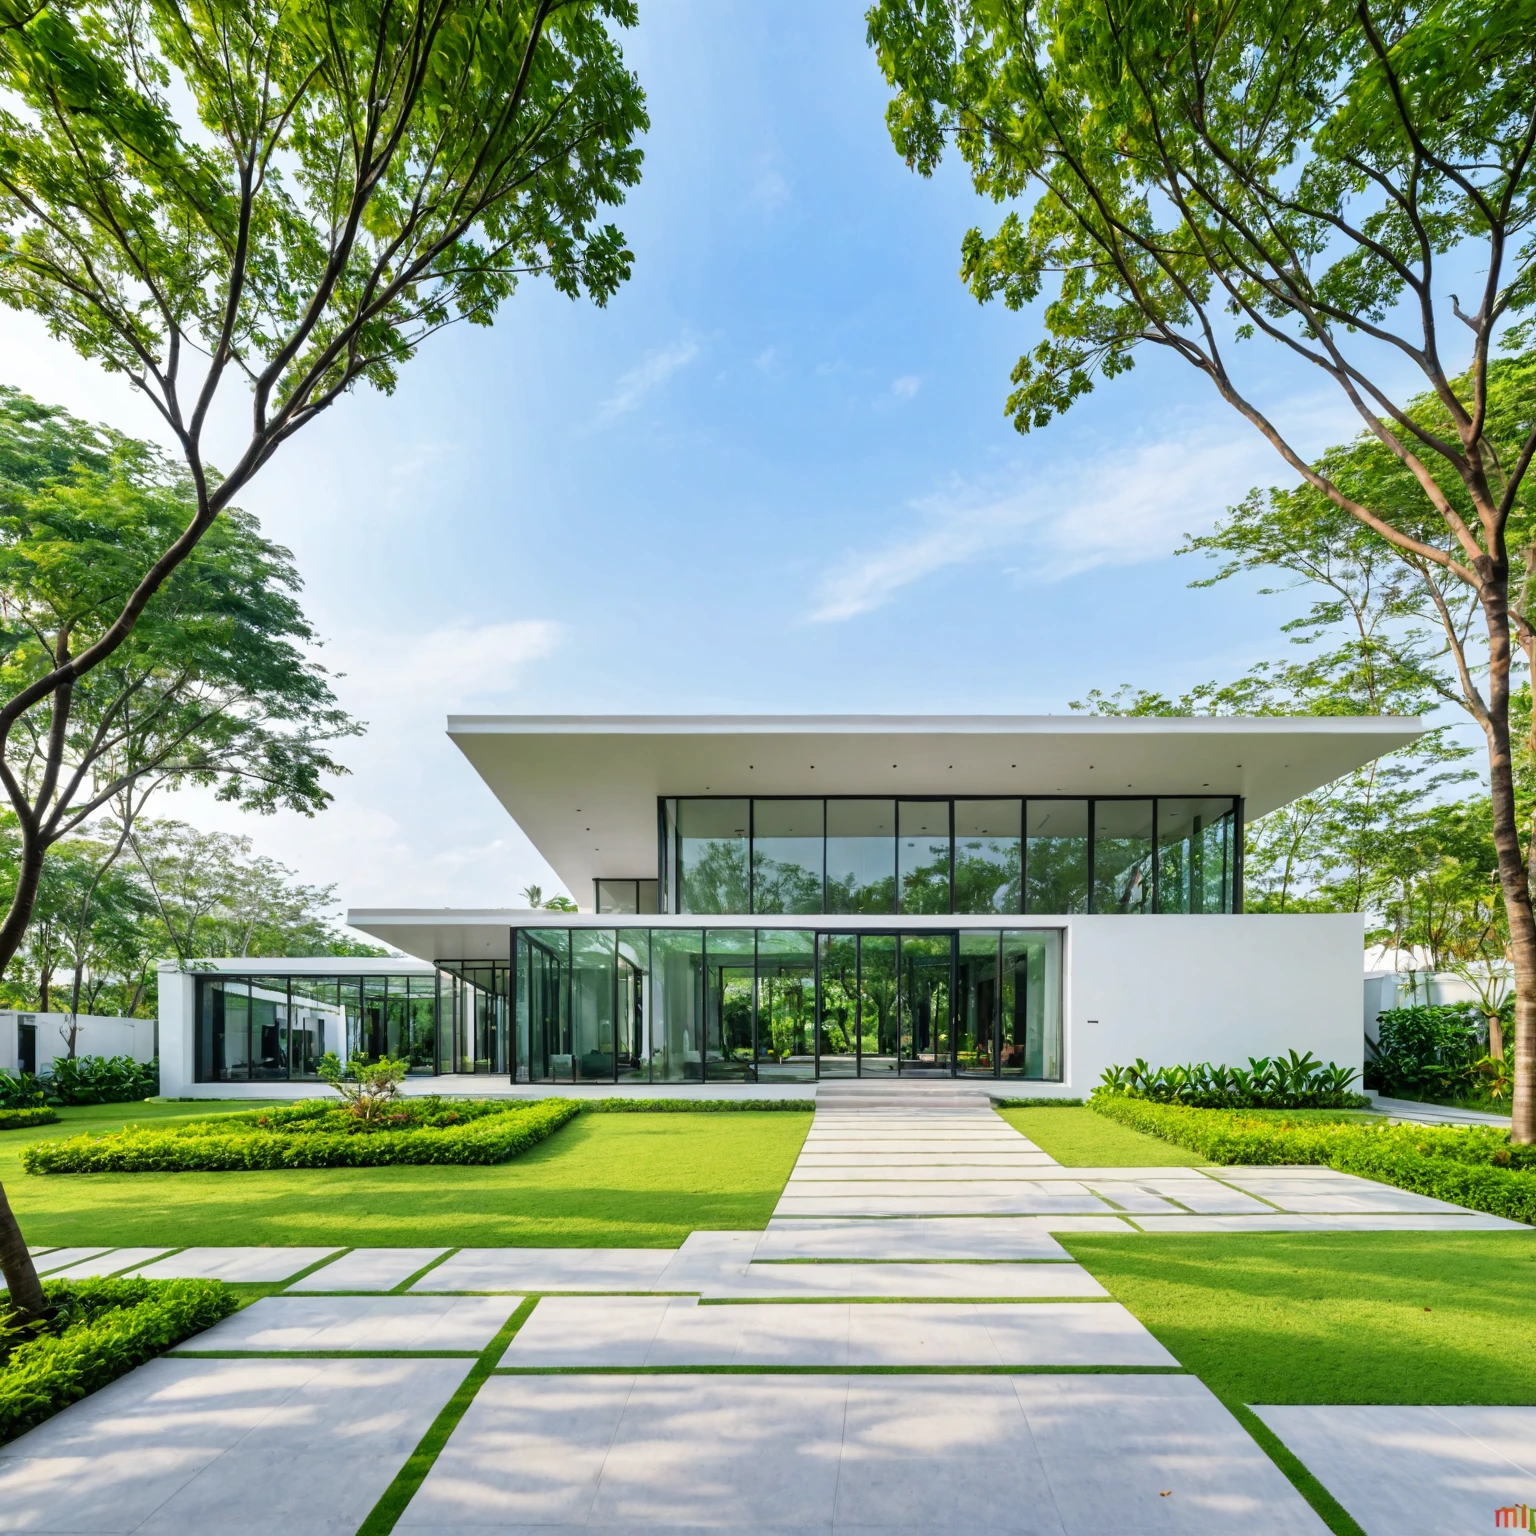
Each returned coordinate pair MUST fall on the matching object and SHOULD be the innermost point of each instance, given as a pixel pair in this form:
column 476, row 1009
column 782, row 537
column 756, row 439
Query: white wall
column 1219, row 989
column 176, row 1033
column 97, row 1036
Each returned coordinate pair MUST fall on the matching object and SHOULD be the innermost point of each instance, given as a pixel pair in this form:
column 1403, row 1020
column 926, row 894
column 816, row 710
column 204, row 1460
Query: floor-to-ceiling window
column 804, row 856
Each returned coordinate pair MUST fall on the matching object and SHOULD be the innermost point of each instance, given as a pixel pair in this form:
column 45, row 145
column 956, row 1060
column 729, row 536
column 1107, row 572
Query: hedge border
column 1423, row 1159
column 490, row 1139
column 127, row 1323
column 625, row 1106
column 20, row 1119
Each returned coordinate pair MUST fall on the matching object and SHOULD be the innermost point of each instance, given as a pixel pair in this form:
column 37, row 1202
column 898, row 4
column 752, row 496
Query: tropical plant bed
column 1475, row 1166
column 97, row 1330
column 19, row 1119
column 315, row 1133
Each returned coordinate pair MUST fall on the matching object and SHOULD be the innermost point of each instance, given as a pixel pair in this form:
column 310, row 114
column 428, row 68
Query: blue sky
column 773, row 475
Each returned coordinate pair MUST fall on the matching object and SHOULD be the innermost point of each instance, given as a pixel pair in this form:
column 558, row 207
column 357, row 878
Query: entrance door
column 837, row 1012
column 879, row 1014
column 927, row 989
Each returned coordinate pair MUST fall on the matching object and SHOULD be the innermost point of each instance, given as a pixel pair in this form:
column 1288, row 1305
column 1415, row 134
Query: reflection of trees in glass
column 736, row 1015
column 987, row 875
column 839, row 995
column 715, row 876
column 785, row 1010
column 778, row 886
column 1123, row 874
column 850, row 893
column 1057, row 875
column 926, row 888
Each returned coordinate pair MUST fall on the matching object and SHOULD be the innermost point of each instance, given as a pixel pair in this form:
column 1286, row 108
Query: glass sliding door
column 927, row 965
column 1030, row 999
column 786, row 1005
column 922, row 855
column 594, row 981
column 788, row 855
column 631, row 1005
column 1122, row 856
column 728, row 1004
column 1056, row 856
column 879, row 1009
column 861, row 856
column 989, row 856
column 677, row 1014
column 976, row 998
column 549, row 1050
column 837, row 1030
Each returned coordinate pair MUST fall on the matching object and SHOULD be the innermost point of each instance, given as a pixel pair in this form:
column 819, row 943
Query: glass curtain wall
column 1043, row 857
column 274, row 1028
column 768, row 1005
column 624, row 896
column 476, row 1014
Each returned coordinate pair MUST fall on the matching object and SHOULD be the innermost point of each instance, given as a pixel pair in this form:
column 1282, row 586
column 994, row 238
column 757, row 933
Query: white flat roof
column 584, row 787
column 304, row 965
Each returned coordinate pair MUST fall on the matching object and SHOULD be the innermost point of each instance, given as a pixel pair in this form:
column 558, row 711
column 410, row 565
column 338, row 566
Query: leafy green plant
column 368, row 1088
column 19, row 1119
column 1278, row 1082
column 94, row 1332
column 1424, row 1049
column 1476, row 1166
column 101, row 1080
column 21, row 1090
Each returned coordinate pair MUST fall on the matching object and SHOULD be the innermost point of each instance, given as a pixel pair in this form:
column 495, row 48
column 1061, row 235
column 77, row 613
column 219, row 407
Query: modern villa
column 779, row 899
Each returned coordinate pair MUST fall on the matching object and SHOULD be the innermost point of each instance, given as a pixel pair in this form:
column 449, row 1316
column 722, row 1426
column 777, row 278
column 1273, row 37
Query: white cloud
column 1114, row 511
column 906, row 386
column 656, row 368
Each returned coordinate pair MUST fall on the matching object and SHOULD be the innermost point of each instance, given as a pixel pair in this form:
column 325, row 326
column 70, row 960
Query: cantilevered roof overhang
column 584, row 787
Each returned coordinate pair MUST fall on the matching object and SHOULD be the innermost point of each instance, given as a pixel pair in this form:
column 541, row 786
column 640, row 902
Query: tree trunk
column 1495, row 1036
column 17, row 1266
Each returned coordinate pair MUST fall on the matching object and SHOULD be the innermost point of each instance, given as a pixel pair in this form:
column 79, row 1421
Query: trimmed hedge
column 1478, row 1167
column 109, row 1327
column 19, row 1119
column 492, row 1138
column 618, row 1106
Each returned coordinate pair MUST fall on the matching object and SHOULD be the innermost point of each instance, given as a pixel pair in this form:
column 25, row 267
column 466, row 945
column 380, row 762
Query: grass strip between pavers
column 1324, row 1505
column 394, row 1500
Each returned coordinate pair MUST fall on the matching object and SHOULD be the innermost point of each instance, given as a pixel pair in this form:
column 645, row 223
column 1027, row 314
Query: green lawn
column 1335, row 1317
column 1080, row 1138
column 604, row 1180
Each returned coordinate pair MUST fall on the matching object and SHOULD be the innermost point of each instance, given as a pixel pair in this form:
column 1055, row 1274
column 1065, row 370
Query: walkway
column 743, row 1381
column 1433, row 1114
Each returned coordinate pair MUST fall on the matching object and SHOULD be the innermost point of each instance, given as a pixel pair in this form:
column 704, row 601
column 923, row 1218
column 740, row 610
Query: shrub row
column 83, row 1080
column 1478, row 1167
column 1267, row 1082
column 18, row 1119
column 490, row 1139
column 108, row 1328
column 617, row 1106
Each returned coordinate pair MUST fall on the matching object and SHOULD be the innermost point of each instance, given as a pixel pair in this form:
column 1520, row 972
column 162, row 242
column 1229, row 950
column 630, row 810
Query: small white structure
column 32, row 1042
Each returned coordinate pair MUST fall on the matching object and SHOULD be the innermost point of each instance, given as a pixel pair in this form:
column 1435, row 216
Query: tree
column 211, row 896
column 297, row 197
column 1201, row 177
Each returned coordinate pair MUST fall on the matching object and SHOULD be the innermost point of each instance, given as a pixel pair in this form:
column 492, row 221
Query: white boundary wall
column 1171, row 989
column 98, row 1035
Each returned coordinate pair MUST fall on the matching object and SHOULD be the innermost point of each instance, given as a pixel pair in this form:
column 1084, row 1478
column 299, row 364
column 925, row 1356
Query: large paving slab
column 252, row 1265
column 1342, row 1193
column 1279, row 1221
column 920, row 1454
column 548, row 1269
column 66, row 1258
column 369, row 1269
column 962, row 1201
column 111, row 1262
column 572, row 1332
column 961, row 1237
column 941, row 1278
column 908, row 1173
column 360, row 1323
column 242, row 1446
column 1410, row 1470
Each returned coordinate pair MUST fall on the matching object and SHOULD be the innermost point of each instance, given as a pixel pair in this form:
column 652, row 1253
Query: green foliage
column 1476, row 1166
column 368, row 1088
column 623, row 1106
column 1280, row 1082
column 21, row 1090
column 20, row 1119
column 1421, row 1049
column 98, row 1331
column 101, row 1080
column 222, row 1147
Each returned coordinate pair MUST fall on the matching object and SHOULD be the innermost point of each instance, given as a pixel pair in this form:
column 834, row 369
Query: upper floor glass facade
column 844, row 855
